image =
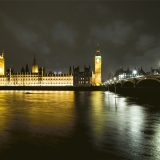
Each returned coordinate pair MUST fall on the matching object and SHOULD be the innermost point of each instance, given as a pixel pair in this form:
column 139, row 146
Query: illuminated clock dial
column 97, row 60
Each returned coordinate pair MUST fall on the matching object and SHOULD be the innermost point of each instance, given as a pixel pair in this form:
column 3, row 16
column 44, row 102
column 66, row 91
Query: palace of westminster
column 38, row 77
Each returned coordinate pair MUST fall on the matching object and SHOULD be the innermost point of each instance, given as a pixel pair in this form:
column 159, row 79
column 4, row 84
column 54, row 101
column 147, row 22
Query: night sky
column 66, row 33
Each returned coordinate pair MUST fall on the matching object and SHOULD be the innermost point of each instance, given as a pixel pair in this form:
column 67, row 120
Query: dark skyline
column 66, row 33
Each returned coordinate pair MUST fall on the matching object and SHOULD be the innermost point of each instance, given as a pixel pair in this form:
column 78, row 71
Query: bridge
column 143, row 81
column 145, row 87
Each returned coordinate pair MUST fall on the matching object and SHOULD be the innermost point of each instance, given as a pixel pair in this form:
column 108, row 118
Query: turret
column 2, row 64
column 3, row 54
column 34, row 66
column 98, row 51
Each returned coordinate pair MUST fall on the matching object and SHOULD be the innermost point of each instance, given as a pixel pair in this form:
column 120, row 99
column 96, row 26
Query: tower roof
column 98, row 51
column 2, row 54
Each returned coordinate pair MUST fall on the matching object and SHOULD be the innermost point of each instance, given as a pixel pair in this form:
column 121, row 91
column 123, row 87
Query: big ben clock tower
column 98, row 67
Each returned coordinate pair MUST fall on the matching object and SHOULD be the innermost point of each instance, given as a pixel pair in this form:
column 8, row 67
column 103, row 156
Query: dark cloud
column 65, row 33
column 26, row 37
column 145, row 41
column 149, row 59
column 116, row 33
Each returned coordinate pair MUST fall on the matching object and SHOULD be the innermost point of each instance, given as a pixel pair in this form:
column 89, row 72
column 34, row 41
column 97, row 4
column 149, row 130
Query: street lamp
column 134, row 72
column 115, row 84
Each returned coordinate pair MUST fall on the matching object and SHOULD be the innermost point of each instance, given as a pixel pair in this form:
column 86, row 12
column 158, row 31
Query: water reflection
column 40, row 111
column 156, row 141
column 98, row 123
column 97, row 116
column 3, row 118
column 51, row 112
column 118, row 122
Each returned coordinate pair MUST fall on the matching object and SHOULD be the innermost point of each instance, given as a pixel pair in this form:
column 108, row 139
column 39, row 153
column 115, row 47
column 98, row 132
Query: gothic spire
column 98, row 50
column 3, row 53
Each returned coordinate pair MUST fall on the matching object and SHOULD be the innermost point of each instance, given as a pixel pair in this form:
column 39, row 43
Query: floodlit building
column 123, row 74
column 82, row 78
column 88, row 77
column 38, row 77
column 97, row 77
column 155, row 71
column 2, row 64
column 34, row 66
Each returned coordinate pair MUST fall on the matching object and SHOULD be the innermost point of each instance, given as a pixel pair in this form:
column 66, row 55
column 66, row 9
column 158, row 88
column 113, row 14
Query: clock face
column 97, row 60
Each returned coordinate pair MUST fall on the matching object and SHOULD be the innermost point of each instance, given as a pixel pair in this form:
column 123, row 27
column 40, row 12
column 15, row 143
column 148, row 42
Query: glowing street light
column 134, row 72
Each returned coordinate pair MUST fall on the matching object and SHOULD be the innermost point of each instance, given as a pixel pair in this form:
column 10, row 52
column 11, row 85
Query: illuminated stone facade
column 87, row 77
column 2, row 64
column 38, row 77
column 34, row 66
column 97, row 79
column 154, row 71
column 123, row 74
column 82, row 78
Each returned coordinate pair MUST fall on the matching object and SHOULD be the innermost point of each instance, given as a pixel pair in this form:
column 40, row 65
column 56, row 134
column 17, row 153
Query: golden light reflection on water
column 109, row 121
column 5, row 115
column 3, row 119
column 40, row 111
column 51, row 109
column 97, row 115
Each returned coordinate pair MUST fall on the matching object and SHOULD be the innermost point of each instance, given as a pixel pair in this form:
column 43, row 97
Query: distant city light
column 134, row 72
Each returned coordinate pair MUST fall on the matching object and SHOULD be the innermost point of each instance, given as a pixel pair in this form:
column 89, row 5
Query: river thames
column 97, row 125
